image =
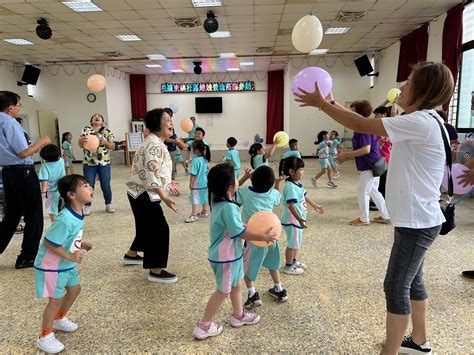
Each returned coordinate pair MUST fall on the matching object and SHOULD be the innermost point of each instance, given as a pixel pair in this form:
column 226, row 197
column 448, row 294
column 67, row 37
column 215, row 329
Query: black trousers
column 23, row 198
column 152, row 233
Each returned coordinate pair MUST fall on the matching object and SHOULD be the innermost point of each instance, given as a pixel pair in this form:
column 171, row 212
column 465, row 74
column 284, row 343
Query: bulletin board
column 134, row 140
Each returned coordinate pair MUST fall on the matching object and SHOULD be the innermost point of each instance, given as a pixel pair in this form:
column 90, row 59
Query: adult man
column 21, row 185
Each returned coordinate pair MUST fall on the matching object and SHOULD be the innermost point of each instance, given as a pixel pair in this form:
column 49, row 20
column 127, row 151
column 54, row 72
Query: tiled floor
column 336, row 306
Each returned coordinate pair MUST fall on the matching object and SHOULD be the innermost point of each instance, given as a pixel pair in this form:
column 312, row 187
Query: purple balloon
column 456, row 171
column 308, row 76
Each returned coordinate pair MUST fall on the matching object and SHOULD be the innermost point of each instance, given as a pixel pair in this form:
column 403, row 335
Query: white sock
column 278, row 287
column 251, row 291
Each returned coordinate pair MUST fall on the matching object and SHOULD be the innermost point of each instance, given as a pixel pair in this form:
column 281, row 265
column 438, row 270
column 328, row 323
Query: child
column 294, row 213
column 67, row 152
column 261, row 196
column 225, row 253
column 56, row 274
column 180, row 160
column 232, row 155
column 334, row 148
column 198, row 183
column 322, row 151
column 293, row 152
column 199, row 136
column 52, row 169
column 258, row 156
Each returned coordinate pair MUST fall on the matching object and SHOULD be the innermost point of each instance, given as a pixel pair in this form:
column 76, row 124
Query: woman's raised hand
column 306, row 98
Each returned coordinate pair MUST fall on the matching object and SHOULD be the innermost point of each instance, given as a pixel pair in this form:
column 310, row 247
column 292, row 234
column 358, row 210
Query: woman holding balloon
column 417, row 165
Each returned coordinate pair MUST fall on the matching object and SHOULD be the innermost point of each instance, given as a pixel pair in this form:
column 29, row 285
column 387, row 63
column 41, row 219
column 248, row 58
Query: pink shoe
column 247, row 318
column 213, row 330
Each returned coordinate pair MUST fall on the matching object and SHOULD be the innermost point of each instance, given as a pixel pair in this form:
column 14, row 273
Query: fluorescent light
column 233, row 69
column 336, row 30
column 177, row 71
column 227, row 55
column 319, row 51
column 220, row 34
column 246, row 63
column 156, row 56
column 128, row 38
column 82, row 6
column 18, row 41
column 206, row 3
column 153, row 65
column 30, row 90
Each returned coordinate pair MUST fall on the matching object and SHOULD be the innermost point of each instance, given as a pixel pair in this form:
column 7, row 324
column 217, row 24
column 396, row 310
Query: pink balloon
column 308, row 76
column 260, row 222
column 96, row 83
column 456, row 171
column 92, row 143
column 186, row 125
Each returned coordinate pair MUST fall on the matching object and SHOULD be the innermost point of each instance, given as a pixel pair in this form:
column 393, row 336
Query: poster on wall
column 186, row 88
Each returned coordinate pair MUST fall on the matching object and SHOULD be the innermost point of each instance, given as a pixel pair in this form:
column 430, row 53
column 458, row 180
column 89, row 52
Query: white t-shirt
column 417, row 165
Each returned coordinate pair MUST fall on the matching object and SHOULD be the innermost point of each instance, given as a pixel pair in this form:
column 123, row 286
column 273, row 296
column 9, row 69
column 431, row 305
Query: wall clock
column 91, row 97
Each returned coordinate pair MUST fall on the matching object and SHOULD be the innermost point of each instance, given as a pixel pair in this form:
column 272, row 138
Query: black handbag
column 380, row 167
column 447, row 207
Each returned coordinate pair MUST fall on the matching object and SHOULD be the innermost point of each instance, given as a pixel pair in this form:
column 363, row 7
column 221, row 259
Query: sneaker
column 409, row 347
column 248, row 318
column 253, row 302
column 331, row 184
column 49, row 344
column 293, row 270
column 186, row 171
column 203, row 214
column 132, row 260
column 358, row 223
column 381, row 220
column 65, row 325
column 468, row 273
column 314, row 182
column 301, row 265
column 280, row 296
column 109, row 208
column 20, row 229
column 86, row 211
column 23, row 263
column 191, row 219
column 213, row 330
column 163, row 277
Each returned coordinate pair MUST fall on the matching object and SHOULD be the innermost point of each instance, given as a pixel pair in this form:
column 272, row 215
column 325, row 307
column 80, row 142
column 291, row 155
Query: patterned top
column 334, row 145
column 295, row 193
column 101, row 156
column 323, row 150
column 151, row 168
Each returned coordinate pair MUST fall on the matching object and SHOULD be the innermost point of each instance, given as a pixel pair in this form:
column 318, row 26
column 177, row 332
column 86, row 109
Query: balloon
column 308, row 76
column 186, row 125
column 246, row 143
column 393, row 94
column 174, row 107
column 307, row 34
column 92, row 143
column 456, row 171
column 96, row 83
column 281, row 139
column 260, row 222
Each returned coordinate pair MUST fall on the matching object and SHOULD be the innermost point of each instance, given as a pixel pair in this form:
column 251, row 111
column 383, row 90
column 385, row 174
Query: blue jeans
column 90, row 173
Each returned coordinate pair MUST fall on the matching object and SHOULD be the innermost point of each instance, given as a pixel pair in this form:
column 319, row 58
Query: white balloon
column 307, row 34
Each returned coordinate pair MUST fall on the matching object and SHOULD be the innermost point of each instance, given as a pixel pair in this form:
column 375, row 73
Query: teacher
column 417, row 167
column 148, row 185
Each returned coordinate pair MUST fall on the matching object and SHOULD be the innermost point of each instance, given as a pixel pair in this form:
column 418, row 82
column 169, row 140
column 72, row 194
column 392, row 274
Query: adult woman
column 414, row 178
column 148, row 185
column 98, row 162
column 366, row 153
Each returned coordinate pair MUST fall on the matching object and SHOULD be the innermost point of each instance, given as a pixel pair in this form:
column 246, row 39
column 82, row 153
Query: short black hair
column 381, row 110
column 7, row 99
column 320, row 137
column 292, row 142
column 291, row 163
column 153, row 119
column 169, row 111
column 199, row 146
column 69, row 183
column 219, row 179
column 50, row 153
column 263, row 178
column 232, row 141
column 253, row 151
column 199, row 129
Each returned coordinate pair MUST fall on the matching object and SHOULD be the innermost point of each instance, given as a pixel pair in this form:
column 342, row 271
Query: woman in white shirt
column 148, row 185
column 416, row 170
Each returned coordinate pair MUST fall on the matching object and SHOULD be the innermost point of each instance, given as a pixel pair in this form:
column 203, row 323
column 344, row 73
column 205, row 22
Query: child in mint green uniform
column 258, row 155
column 56, row 272
column 295, row 212
column 226, row 252
column 198, row 183
column 52, row 169
column 322, row 151
column 293, row 152
column 232, row 155
column 261, row 196
column 68, row 153
column 334, row 148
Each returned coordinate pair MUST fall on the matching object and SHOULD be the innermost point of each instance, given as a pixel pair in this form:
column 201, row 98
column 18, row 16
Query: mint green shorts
column 199, row 196
column 294, row 236
column 228, row 275
column 53, row 284
column 256, row 257
column 323, row 163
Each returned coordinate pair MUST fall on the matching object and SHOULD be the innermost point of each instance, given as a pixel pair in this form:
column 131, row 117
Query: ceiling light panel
column 220, row 34
column 18, row 41
column 336, row 30
column 128, row 38
column 82, row 6
column 156, row 56
column 206, row 3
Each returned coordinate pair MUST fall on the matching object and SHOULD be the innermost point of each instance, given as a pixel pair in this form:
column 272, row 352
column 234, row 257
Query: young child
column 295, row 213
column 56, row 272
column 293, row 152
column 52, row 169
column 180, row 160
column 334, row 148
column 199, row 136
column 232, row 155
column 68, row 154
column 261, row 196
column 258, row 156
column 198, row 183
column 322, row 151
column 225, row 253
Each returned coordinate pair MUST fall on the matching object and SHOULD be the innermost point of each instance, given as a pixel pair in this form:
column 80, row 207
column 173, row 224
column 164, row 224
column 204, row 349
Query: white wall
column 119, row 107
column 243, row 116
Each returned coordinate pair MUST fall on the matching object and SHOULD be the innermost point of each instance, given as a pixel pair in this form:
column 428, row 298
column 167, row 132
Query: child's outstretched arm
column 294, row 212
column 246, row 176
column 269, row 154
column 59, row 251
column 278, row 181
column 313, row 204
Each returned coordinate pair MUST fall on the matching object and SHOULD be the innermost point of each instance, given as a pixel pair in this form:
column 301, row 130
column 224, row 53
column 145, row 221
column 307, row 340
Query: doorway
column 48, row 125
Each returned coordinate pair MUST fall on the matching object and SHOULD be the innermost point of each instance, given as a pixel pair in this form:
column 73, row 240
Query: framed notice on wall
column 134, row 139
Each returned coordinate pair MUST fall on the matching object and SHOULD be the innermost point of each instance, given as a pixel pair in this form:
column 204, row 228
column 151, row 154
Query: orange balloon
column 186, row 125
column 96, row 83
column 92, row 143
column 260, row 222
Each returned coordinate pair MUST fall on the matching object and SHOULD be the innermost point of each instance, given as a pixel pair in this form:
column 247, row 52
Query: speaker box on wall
column 31, row 75
column 363, row 65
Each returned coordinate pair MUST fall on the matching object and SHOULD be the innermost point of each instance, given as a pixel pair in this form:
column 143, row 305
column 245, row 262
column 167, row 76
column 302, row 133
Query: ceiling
column 85, row 37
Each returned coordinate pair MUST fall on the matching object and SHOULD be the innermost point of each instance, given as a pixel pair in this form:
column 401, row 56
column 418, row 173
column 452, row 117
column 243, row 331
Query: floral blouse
column 102, row 155
column 151, row 168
